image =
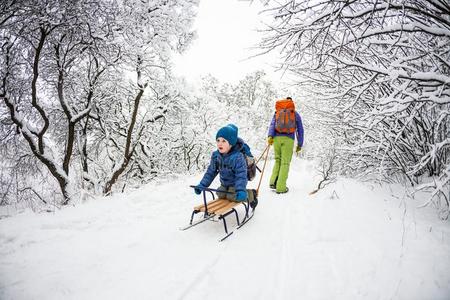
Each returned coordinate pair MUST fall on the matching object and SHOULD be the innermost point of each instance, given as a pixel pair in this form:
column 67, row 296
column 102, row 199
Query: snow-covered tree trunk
column 35, row 137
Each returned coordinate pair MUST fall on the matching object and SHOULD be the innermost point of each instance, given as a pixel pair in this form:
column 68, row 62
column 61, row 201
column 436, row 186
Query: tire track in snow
column 273, row 209
column 283, row 269
column 202, row 274
column 280, row 267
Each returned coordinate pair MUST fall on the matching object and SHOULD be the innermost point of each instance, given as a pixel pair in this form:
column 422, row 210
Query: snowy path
column 362, row 244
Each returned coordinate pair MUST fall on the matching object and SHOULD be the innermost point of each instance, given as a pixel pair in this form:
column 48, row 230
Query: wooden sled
column 220, row 208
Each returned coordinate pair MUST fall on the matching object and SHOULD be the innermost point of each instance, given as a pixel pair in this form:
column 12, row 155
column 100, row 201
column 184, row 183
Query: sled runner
column 222, row 208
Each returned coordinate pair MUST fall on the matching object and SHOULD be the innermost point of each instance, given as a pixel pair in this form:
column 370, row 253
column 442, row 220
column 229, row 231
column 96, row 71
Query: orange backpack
column 285, row 116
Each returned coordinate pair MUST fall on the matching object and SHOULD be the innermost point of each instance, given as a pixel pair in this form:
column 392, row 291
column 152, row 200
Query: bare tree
column 60, row 65
column 35, row 65
column 381, row 68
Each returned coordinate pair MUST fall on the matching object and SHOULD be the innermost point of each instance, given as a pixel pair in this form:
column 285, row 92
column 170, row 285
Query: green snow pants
column 283, row 147
column 232, row 196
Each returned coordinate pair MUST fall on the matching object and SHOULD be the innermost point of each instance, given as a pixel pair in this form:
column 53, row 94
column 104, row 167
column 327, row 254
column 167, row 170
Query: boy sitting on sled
column 229, row 162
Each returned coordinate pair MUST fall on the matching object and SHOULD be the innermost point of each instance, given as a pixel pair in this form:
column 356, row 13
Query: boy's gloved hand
column 241, row 196
column 198, row 189
column 270, row 140
column 298, row 149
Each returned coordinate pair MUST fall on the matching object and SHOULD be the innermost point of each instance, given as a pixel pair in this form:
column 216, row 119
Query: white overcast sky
column 226, row 32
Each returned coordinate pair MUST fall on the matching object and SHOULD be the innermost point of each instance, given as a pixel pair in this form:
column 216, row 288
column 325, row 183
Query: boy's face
column 222, row 145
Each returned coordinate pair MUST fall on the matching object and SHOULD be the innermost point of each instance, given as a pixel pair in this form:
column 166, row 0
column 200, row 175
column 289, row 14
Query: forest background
column 90, row 105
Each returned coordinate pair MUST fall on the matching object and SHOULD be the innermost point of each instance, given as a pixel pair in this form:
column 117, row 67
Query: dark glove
column 198, row 189
column 298, row 149
column 241, row 196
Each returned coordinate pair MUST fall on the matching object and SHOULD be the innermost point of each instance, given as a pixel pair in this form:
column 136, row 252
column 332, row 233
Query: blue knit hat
column 234, row 127
column 229, row 133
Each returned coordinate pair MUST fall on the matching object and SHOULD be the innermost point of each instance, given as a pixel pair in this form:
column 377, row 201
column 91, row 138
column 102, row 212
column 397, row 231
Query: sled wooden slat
column 218, row 207
column 226, row 208
column 213, row 205
column 214, row 209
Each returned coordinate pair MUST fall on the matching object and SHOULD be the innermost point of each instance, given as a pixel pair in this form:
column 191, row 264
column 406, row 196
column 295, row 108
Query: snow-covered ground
column 349, row 241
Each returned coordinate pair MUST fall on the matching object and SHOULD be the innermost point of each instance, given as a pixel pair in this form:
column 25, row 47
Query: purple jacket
column 298, row 122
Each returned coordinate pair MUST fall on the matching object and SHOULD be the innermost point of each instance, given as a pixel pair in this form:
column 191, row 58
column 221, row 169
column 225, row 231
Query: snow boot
column 287, row 190
column 253, row 199
column 254, row 203
column 273, row 185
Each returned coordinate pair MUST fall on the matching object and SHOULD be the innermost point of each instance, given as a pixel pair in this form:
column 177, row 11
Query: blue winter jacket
column 231, row 167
